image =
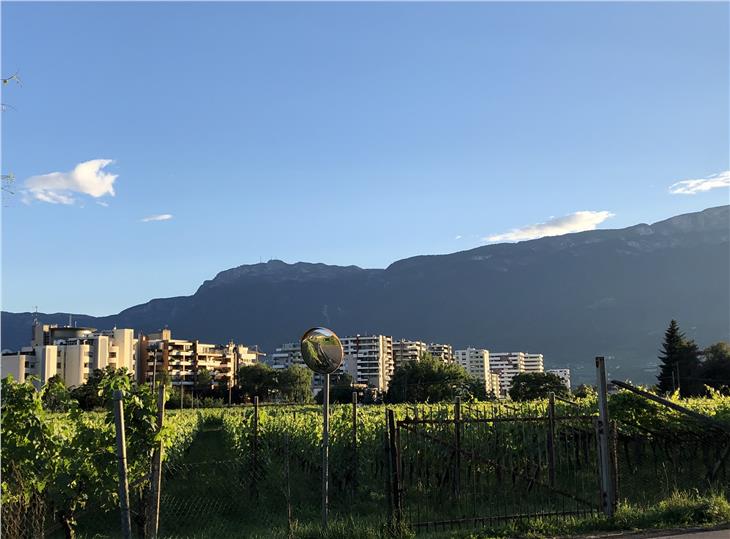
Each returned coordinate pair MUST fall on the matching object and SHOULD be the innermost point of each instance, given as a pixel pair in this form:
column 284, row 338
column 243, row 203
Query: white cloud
column 692, row 187
column 574, row 222
column 160, row 217
column 86, row 178
column 103, row 204
column 458, row 237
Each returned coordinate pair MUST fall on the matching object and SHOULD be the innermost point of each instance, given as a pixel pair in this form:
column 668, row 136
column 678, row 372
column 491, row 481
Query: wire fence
column 690, row 459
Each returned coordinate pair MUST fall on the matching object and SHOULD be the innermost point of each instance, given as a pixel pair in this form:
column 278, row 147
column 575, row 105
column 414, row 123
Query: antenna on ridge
column 35, row 316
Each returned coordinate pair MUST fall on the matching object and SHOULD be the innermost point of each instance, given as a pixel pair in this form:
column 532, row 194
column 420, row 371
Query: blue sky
column 340, row 133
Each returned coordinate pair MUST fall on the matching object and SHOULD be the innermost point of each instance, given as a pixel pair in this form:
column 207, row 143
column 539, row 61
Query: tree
column 295, row 384
column 428, row 380
column 203, row 378
column 341, row 388
column 679, row 362
column 715, row 370
column 584, row 391
column 257, row 380
column 536, row 385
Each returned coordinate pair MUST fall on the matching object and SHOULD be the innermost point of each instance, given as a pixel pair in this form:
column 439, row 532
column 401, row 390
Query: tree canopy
column 295, row 384
column 257, row 380
column 536, row 385
column 428, row 380
column 715, row 369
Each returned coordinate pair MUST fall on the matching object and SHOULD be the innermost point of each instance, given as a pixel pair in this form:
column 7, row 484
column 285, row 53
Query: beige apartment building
column 444, row 352
column 369, row 359
column 493, row 387
column 182, row 359
column 70, row 352
column 405, row 351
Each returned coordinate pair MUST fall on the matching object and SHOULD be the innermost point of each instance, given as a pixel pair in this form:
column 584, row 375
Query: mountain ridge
column 600, row 292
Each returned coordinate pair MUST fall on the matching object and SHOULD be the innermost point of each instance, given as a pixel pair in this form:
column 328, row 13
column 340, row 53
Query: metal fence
column 483, row 469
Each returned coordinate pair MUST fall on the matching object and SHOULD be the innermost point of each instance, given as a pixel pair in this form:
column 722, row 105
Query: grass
column 680, row 510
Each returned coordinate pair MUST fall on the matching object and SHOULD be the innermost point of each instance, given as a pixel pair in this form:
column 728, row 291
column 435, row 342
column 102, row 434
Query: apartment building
column 507, row 365
column 563, row 374
column 444, row 352
column 369, row 359
column 70, row 352
column 476, row 362
column 534, row 363
column 405, row 351
column 182, row 359
column 493, row 387
column 290, row 354
column 286, row 355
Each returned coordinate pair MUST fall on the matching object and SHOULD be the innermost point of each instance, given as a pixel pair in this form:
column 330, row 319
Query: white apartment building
column 444, row 352
column 476, row 362
column 405, row 351
column 70, row 352
column 369, row 359
column 182, row 359
column 507, row 365
column 286, row 355
column 290, row 354
column 563, row 374
column 534, row 363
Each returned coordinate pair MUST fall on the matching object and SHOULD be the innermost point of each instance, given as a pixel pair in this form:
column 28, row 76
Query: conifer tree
column 679, row 362
column 669, row 358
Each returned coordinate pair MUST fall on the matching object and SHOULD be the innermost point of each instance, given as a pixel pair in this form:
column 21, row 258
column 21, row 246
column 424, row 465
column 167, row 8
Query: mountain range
column 570, row 297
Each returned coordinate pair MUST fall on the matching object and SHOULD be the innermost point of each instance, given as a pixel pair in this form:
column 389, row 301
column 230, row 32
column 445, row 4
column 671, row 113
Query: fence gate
column 479, row 466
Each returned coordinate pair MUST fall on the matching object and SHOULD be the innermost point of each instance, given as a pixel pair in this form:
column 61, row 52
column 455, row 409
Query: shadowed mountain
column 571, row 297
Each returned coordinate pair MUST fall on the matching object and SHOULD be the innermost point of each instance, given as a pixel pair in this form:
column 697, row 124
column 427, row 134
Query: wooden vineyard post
column 325, row 450
column 254, row 448
column 152, row 522
column 395, row 482
column 457, row 434
column 551, row 440
column 614, row 463
column 122, row 465
column 354, row 444
column 602, row 432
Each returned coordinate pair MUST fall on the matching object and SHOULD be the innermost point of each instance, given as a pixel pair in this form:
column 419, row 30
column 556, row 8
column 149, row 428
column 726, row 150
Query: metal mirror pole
column 325, row 448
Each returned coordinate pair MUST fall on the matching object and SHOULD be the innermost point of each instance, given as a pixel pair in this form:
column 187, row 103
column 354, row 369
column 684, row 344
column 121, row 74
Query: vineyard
column 255, row 470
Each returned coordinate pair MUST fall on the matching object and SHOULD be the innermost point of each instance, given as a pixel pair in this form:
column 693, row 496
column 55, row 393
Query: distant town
column 72, row 353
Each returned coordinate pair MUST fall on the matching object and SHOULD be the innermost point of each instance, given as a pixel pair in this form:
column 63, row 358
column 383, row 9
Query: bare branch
column 14, row 77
